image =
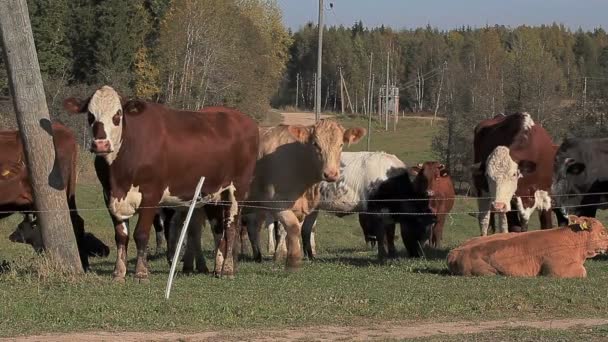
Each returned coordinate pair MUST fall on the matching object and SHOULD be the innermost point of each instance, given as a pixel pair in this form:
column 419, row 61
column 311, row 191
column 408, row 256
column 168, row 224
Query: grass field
column 345, row 286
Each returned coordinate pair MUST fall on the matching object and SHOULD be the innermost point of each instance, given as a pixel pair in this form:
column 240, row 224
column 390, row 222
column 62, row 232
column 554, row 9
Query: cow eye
column 91, row 118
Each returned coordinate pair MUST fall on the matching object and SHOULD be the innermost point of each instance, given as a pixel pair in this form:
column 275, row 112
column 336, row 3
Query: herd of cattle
column 150, row 157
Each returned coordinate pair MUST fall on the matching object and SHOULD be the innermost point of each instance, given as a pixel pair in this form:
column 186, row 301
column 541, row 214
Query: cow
column 512, row 161
column 557, row 252
column 292, row 161
column 580, row 177
column 28, row 232
column 154, row 156
column 16, row 191
column 398, row 201
column 433, row 177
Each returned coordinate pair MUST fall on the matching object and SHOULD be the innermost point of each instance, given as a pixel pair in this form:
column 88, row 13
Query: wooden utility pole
column 319, row 58
column 585, row 96
column 341, row 92
column 32, row 113
column 369, row 114
column 388, row 58
column 369, row 83
column 445, row 65
column 297, row 88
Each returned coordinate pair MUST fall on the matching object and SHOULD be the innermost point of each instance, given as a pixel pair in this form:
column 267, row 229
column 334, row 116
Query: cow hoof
column 204, row 270
column 119, row 280
column 187, row 271
column 160, row 251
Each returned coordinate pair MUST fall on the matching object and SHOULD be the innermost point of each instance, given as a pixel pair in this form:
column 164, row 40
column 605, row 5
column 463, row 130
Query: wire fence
column 259, row 205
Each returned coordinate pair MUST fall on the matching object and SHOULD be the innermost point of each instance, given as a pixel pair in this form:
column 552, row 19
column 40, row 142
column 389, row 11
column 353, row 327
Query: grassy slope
column 345, row 286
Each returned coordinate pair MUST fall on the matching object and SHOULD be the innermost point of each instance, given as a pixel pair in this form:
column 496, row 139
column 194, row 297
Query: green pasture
column 344, row 286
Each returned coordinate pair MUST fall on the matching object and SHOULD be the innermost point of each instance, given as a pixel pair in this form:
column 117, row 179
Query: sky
column 448, row 14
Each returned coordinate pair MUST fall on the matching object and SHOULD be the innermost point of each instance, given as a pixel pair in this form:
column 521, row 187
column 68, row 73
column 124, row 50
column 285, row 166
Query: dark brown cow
column 433, row 178
column 16, row 191
column 513, row 161
column 156, row 155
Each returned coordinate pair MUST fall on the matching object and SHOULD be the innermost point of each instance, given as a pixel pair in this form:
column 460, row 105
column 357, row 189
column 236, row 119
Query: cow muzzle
column 499, row 207
column 101, row 146
column 331, row 175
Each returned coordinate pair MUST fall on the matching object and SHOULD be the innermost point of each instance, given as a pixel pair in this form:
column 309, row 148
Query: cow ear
column 300, row 133
column 74, row 105
column 353, row 135
column 575, row 168
column 134, row 107
column 527, row 166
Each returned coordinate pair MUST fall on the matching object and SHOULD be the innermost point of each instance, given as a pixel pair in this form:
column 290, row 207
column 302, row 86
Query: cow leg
column 225, row 261
column 142, row 235
column 307, row 233
column 244, row 240
column 175, row 228
column 168, row 215
column 503, row 224
column 390, row 240
column 159, row 228
column 367, row 221
column 121, row 235
column 194, row 250
column 546, row 221
column 313, row 242
column 483, row 217
column 570, row 270
column 293, row 228
column 255, row 221
column 562, row 220
column 281, row 241
column 271, row 237
column 78, row 227
column 437, row 232
column 382, row 242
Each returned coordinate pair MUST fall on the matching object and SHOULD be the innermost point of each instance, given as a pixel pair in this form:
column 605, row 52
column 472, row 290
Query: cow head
column 427, row 175
column 571, row 174
column 325, row 140
column 27, row 232
column 502, row 174
column 597, row 236
column 105, row 116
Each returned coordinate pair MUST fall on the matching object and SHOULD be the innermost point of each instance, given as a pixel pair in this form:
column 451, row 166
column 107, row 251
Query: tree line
column 185, row 53
column 558, row 75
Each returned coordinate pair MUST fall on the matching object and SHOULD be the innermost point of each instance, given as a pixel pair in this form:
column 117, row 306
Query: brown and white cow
column 513, row 162
column 433, row 177
column 16, row 192
column 155, row 155
column 292, row 161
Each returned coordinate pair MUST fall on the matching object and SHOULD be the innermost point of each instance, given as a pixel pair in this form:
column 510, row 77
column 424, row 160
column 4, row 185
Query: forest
column 190, row 53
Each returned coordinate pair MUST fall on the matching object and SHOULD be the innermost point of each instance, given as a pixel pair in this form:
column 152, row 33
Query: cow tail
column 453, row 264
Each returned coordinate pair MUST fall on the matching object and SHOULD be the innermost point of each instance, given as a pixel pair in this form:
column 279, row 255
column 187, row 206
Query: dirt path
column 393, row 330
column 302, row 118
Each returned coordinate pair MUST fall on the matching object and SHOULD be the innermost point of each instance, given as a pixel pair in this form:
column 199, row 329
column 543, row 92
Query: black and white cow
column 580, row 176
column 362, row 174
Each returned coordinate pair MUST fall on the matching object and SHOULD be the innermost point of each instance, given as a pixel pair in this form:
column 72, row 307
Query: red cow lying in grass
column 557, row 252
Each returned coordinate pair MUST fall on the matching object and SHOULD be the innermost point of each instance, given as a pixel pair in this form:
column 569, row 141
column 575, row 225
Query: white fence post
column 182, row 236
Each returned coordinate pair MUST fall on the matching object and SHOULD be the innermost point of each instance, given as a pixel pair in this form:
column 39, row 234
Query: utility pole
column 341, row 91
column 369, row 83
column 314, row 76
column 585, row 96
column 369, row 115
column 445, row 66
column 388, row 58
column 297, row 88
column 319, row 57
column 32, row 113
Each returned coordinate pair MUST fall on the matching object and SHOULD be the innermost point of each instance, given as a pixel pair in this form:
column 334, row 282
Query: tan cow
column 292, row 161
column 557, row 252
